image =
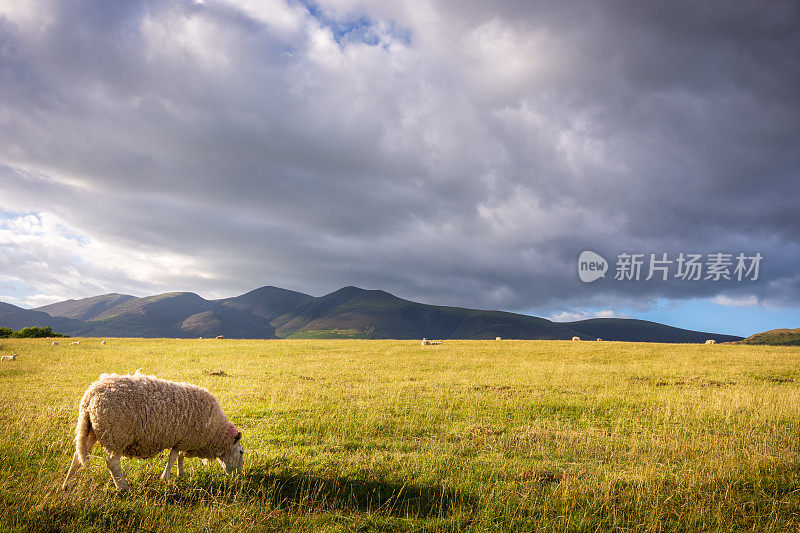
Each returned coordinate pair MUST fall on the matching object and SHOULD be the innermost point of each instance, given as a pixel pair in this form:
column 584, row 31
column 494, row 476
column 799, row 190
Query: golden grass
column 365, row 434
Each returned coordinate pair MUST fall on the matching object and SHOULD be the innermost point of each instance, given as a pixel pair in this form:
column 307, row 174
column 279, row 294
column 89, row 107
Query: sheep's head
column 233, row 459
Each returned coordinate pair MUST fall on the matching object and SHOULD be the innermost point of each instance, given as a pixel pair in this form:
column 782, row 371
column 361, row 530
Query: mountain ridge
column 349, row 312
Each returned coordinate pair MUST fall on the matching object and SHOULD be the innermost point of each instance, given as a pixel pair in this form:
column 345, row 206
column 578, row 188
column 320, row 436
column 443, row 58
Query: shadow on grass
column 56, row 519
column 296, row 492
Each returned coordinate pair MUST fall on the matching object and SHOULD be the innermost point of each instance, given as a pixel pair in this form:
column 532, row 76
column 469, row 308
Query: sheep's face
column 233, row 461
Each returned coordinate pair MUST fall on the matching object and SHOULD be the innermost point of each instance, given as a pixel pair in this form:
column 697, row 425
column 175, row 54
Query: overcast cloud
column 451, row 152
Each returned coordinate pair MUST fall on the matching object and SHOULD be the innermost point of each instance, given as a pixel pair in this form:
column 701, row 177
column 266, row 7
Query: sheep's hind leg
column 91, row 439
column 173, row 454
column 117, row 475
column 76, row 464
column 180, row 464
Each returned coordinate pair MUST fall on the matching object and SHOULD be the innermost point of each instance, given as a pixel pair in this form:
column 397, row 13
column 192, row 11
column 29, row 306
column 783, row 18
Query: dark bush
column 29, row 333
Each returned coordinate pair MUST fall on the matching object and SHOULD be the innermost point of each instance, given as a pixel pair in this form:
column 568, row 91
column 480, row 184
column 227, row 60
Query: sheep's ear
column 237, row 437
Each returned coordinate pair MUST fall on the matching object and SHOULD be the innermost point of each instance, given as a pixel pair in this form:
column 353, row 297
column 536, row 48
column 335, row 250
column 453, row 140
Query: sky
column 449, row 152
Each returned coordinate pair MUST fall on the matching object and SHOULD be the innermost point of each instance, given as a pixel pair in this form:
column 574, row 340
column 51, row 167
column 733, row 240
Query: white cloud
column 53, row 262
column 731, row 301
column 451, row 152
column 572, row 316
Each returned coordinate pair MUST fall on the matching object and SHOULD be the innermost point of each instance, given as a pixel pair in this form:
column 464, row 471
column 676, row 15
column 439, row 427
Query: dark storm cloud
column 452, row 152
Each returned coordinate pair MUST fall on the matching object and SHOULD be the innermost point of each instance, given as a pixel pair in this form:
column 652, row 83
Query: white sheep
column 12, row 357
column 139, row 416
column 711, row 341
column 102, row 342
column 498, row 339
column 576, row 338
column 220, row 336
column 599, row 339
column 74, row 343
column 425, row 342
column 56, row 343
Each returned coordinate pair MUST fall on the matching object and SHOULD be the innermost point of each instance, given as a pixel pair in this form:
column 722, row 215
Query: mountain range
column 350, row 312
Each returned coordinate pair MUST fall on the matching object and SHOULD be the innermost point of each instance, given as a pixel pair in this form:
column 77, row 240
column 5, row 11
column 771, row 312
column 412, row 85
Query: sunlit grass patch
column 376, row 435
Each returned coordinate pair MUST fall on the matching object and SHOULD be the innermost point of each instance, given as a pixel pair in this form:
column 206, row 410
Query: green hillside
column 775, row 337
column 16, row 318
column 627, row 329
column 381, row 315
column 86, row 308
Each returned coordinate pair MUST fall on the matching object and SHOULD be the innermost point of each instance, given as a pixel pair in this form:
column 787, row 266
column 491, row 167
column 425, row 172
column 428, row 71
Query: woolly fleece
column 139, row 416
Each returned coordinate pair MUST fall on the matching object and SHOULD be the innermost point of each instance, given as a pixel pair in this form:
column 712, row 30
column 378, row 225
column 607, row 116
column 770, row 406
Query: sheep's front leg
column 173, row 454
column 113, row 462
column 180, row 464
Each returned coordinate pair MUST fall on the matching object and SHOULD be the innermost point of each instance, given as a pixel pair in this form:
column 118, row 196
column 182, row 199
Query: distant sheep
column 74, row 343
column 102, row 342
column 599, row 339
column 576, row 338
column 498, row 339
column 12, row 357
column 56, row 343
column 426, row 342
column 139, row 416
column 220, row 336
column 711, row 341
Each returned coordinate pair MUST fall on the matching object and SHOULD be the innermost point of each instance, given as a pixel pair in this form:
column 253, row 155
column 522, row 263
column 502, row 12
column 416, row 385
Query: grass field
column 360, row 435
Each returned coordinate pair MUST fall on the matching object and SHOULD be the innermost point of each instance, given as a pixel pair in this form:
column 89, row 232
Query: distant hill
column 85, row 309
column 15, row 317
column 775, row 337
column 267, row 302
column 161, row 315
column 627, row 329
column 379, row 315
column 350, row 312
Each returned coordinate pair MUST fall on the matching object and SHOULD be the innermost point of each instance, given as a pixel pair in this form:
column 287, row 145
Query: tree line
column 29, row 333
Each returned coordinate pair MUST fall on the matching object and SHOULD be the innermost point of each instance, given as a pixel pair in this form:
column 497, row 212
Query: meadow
column 363, row 435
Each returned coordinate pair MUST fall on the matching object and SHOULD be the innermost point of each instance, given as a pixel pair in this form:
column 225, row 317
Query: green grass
column 330, row 334
column 360, row 435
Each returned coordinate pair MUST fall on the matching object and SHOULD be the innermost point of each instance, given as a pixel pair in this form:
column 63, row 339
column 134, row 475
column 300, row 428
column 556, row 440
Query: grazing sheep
column 498, row 339
column 74, row 343
column 599, row 339
column 12, row 357
column 102, row 342
column 56, row 343
column 220, row 336
column 139, row 416
column 711, row 341
column 576, row 338
column 425, row 342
